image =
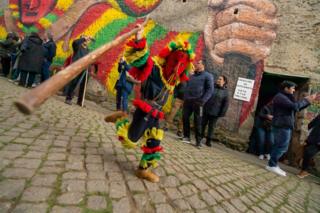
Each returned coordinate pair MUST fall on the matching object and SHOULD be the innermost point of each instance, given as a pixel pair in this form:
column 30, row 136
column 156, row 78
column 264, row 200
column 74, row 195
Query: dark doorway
column 270, row 86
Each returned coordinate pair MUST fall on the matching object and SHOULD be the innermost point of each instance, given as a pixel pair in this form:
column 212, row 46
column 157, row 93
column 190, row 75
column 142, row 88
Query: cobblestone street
column 67, row 159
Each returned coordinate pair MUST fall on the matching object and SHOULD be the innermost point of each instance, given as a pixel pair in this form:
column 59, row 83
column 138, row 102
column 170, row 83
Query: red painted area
column 158, row 45
column 91, row 15
column 58, row 12
column 199, row 47
column 108, row 59
column 248, row 106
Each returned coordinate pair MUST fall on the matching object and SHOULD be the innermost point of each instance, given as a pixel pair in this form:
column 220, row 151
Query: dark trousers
column 140, row 122
column 309, row 152
column 23, row 78
column 264, row 141
column 45, row 72
column 6, row 65
column 122, row 100
column 210, row 121
column 15, row 74
column 80, row 79
column 190, row 107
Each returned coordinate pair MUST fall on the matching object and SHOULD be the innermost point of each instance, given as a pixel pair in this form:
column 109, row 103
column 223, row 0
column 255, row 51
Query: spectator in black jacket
column 312, row 147
column 284, row 109
column 198, row 91
column 31, row 59
column 80, row 49
column 264, row 133
column 216, row 107
column 49, row 53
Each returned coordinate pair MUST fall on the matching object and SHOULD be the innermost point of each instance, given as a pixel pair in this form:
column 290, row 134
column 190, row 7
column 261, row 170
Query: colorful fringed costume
column 158, row 75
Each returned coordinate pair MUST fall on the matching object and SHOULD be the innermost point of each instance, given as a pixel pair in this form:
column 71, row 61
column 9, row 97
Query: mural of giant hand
column 246, row 27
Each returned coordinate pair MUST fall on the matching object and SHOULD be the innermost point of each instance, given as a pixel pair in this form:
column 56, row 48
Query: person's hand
column 140, row 32
column 311, row 98
column 269, row 117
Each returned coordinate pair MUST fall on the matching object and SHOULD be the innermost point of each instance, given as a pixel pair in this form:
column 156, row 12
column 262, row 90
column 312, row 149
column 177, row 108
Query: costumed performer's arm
column 137, row 55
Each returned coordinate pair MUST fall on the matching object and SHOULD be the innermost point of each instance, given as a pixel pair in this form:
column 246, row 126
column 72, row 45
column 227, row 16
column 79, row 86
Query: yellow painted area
column 149, row 26
column 3, row 32
column 113, row 77
column 64, row 4
column 114, row 4
column 106, row 18
column 144, row 3
column 60, row 52
column 183, row 36
column 20, row 25
column 13, row 6
column 45, row 23
column 15, row 14
column 113, row 74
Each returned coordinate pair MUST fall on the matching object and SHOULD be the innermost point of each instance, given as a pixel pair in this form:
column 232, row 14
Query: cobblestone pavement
column 66, row 159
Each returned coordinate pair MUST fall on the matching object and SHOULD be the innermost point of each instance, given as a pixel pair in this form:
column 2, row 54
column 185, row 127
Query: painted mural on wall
column 243, row 27
column 238, row 36
column 103, row 20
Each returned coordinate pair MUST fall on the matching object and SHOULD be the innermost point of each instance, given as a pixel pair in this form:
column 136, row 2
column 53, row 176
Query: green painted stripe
column 1, row 12
column 58, row 61
column 110, row 31
column 51, row 17
column 193, row 40
column 106, row 34
column 28, row 30
column 157, row 33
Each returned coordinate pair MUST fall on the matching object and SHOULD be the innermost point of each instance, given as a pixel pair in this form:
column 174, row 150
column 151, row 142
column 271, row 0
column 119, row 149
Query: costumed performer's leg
column 143, row 124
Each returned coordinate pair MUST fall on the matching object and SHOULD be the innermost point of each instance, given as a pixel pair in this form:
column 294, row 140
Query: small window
column 184, row 1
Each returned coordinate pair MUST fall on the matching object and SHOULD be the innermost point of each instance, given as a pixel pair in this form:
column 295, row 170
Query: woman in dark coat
column 31, row 59
column 312, row 147
column 215, row 108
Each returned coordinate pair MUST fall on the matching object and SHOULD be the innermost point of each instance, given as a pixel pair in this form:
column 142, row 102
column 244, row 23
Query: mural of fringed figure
column 238, row 36
column 159, row 76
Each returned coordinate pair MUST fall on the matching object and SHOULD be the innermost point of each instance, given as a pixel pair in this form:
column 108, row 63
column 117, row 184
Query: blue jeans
column 282, row 137
column 122, row 100
column 265, row 141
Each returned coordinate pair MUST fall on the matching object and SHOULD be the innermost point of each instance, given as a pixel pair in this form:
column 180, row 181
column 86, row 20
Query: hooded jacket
column 32, row 54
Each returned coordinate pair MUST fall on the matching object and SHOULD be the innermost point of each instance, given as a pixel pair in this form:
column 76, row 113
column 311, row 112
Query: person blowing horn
column 159, row 75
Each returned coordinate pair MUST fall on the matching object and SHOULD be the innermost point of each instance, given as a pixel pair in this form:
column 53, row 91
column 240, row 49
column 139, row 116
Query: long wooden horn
column 32, row 99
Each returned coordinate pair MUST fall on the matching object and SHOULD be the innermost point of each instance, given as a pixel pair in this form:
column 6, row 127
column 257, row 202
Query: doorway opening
column 270, row 86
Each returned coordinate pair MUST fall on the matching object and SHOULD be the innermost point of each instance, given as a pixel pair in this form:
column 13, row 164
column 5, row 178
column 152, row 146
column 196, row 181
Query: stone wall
column 297, row 47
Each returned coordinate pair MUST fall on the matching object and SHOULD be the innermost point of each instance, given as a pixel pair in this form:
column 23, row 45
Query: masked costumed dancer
column 159, row 76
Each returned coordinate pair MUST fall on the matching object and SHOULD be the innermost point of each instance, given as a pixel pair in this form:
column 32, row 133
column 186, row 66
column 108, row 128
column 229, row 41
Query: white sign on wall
column 243, row 89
